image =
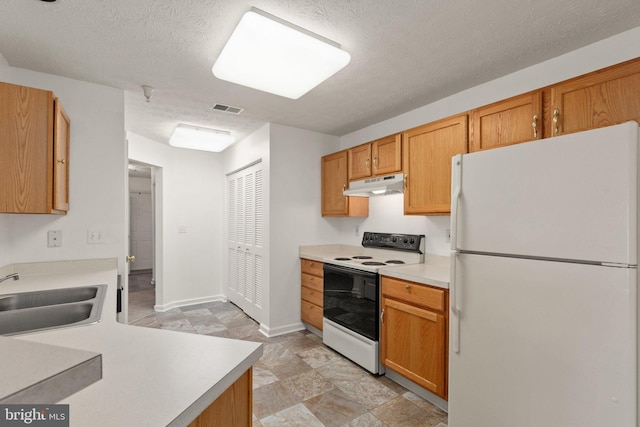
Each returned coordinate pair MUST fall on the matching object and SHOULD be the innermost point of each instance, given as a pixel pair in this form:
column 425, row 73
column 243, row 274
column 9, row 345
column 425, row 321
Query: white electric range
column 351, row 297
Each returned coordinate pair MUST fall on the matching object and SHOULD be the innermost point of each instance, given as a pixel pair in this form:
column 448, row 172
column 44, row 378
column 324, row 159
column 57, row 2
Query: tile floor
column 298, row 381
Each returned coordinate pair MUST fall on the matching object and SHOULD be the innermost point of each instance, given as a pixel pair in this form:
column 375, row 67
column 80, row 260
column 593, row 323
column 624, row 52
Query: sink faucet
column 14, row 276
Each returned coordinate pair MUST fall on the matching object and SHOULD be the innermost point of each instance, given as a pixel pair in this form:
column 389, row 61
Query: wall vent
column 227, row 109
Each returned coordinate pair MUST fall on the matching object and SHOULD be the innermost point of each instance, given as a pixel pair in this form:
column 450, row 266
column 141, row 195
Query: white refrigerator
column 544, row 283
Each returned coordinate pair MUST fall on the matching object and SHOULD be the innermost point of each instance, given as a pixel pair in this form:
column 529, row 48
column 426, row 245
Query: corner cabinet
column 413, row 333
column 311, row 291
column 427, row 152
column 34, row 167
column 334, row 182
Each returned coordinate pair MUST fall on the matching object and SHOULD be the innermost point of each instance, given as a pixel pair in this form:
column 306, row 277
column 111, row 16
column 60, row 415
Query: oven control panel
column 403, row 242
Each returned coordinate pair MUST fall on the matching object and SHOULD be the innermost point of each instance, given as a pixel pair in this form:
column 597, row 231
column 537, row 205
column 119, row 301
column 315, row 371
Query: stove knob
column 395, row 239
column 405, row 241
column 413, row 241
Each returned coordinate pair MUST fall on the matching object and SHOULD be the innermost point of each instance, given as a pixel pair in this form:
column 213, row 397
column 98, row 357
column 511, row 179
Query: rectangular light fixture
column 199, row 138
column 275, row 56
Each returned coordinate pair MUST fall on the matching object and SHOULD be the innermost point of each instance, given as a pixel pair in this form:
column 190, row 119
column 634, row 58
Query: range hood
column 378, row 186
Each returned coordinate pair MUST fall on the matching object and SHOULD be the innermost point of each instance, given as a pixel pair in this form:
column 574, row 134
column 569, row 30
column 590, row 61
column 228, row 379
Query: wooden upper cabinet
column 61, row 139
column 602, row 98
column 28, row 168
column 334, row 182
column 427, row 152
column 387, row 155
column 380, row 157
column 512, row 121
column 359, row 161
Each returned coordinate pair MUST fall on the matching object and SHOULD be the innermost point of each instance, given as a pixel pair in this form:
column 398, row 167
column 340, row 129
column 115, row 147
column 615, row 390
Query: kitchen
column 98, row 180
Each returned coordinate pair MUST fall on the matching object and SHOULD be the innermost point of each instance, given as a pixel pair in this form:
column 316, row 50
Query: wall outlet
column 95, row 237
column 182, row 229
column 54, row 238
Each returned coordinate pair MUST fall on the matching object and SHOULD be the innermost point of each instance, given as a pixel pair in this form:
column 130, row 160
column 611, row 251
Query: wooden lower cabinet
column 311, row 292
column 232, row 409
column 413, row 335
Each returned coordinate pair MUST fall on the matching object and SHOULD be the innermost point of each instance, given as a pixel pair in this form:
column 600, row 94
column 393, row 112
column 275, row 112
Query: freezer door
column 570, row 197
column 542, row 343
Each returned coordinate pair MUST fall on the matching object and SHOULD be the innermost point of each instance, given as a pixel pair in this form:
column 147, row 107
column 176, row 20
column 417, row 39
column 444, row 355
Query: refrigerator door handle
column 454, row 323
column 456, row 167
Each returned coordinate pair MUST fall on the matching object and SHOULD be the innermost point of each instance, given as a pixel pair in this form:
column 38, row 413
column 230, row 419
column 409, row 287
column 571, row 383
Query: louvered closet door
column 245, row 216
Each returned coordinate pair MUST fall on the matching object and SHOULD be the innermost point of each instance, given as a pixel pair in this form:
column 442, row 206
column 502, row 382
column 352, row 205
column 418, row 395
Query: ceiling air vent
column 227, row 109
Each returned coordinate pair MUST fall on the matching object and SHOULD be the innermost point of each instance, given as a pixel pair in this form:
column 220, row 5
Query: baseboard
column 280, row 330
column 420, row 391
column 186, row 302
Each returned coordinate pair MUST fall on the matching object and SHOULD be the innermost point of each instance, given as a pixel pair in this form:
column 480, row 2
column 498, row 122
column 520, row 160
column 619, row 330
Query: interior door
column 542, row 343
column 245, row 221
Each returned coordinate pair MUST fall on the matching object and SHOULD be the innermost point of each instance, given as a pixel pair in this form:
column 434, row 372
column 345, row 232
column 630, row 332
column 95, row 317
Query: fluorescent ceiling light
column 199, row 138
column 272, row 55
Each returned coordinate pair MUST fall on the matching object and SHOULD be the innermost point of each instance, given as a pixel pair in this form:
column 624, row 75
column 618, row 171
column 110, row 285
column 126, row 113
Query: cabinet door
column 334, row 182
column 598, row 99
column 387, row 155
column 414, row 344
column 61, row 138
column 26, row 126
column 427, row 152
column 360, row 162
column 507, row 122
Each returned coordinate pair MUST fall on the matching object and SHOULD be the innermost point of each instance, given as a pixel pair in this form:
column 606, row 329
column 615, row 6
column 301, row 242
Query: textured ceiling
column 404, row 53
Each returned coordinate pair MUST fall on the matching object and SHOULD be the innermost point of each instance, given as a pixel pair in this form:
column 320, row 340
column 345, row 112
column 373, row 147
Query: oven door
column 351, row 299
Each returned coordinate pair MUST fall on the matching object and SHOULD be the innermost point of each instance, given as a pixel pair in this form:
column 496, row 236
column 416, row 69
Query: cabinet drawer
column 312, row 282
column 312, row 295
column 311, row 314
column 415, row 293
column 311, row 267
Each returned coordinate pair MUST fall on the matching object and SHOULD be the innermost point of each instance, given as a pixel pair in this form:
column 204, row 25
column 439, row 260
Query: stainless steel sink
column 56, row 308
column 48, row 297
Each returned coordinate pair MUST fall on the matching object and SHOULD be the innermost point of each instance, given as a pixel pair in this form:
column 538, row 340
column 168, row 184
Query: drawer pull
column 407, row 287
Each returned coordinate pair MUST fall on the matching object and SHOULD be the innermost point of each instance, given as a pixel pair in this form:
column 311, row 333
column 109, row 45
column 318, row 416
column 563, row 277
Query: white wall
column 385, row 213
column 190, row 192
column 295, row 215
column 96, row 178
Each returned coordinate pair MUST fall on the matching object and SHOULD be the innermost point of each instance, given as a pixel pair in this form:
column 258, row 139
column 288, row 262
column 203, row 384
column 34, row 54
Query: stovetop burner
column 342, row 259
column 373, row 263
column 394, row 261
column 362, row 257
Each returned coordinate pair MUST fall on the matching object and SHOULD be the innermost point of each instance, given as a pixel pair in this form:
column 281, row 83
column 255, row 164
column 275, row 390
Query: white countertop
column 434, row 272
column 150, row 377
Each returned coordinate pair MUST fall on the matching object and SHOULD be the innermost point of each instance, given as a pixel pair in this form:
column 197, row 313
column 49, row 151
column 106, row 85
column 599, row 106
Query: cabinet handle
column 344, row 187
column 382, row 316
column 407, row 287
column 535, row 126
column 375, row 162
column 61, row 161
column 556, row 113
column 406, row 177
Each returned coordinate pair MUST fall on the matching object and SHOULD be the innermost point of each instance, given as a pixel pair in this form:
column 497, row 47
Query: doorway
column 141, row 291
